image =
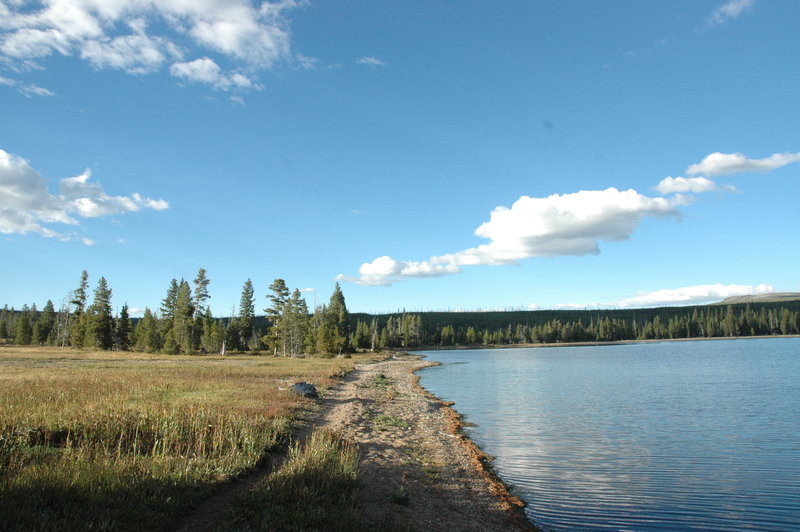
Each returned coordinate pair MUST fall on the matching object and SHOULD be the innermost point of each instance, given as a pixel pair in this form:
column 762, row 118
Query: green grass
column 111, row 441
column 384, row 422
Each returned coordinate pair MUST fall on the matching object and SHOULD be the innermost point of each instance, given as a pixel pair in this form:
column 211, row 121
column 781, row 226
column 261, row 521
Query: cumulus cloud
column 385, row 270
column 568, row 224
column 371, row 61
column 692, row 295
column 728, row 11
column 730, row 163
column 695, row 185
column 26, row 205
column 141, row 36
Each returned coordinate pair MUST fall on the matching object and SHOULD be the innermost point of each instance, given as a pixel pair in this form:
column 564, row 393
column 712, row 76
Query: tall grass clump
column 315, row 489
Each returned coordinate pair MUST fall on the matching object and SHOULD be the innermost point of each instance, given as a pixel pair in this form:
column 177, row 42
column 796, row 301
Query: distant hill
column 777, row 297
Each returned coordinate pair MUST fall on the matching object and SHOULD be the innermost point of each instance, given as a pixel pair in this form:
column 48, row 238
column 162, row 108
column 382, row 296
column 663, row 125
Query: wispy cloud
column 371, row 61
column 728, row 11
column 694, row 185
column 26, row 205
column 730, row 163
column 142, row 36
column 684, row 296
column 26, row 89
column 568, row 224
column 692, row 295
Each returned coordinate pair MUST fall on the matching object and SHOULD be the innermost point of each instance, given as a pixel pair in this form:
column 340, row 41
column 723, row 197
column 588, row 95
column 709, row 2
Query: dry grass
column 105, row 440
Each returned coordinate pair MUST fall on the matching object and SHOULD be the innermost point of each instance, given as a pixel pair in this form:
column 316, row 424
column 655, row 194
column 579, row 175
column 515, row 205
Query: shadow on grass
column 141, row 504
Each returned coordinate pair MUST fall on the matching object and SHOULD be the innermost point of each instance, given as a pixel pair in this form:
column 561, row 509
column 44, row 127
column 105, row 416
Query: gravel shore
column 417, row 467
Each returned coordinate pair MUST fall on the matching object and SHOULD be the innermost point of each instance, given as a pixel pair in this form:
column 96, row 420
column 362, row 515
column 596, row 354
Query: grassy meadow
column 122, row 441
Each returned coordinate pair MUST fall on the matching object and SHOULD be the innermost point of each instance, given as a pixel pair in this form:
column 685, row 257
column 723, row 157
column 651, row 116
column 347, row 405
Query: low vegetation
column 105, row 440
column 315, row 489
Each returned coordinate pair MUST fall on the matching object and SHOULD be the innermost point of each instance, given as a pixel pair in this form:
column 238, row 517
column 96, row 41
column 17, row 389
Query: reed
column 95, row 440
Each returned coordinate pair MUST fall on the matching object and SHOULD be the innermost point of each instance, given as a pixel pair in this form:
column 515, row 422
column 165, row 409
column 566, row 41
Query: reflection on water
column 702, row 435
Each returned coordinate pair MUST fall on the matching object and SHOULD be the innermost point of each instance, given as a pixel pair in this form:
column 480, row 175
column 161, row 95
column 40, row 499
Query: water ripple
column 685, row 435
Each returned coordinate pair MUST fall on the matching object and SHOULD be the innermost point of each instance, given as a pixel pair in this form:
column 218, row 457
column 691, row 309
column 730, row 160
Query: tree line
column 536, row 327
column 184, row 322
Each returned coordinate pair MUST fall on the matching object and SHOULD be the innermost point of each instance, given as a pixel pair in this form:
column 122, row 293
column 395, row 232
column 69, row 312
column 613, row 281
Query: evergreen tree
column 23, row 330
column 182, row 319
column 361, row 337
column 199, row 298
column 123, row 330
column 278, row 333
column 43, row 328
column 247, row 314
column 213, row 334
column 78, row 324
column 167, row 314
column 201, row 294
column 295, row 323
column 146, row 333
column 339, row 320
column 100, row 323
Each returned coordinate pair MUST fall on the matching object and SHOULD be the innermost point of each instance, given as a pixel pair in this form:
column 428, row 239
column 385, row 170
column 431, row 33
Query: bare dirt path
column 417, row 469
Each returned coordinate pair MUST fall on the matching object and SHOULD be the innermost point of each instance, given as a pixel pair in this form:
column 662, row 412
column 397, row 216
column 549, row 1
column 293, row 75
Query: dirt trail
column 416, row 468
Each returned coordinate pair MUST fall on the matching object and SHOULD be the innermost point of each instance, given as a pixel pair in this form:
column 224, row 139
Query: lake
column 657, row 436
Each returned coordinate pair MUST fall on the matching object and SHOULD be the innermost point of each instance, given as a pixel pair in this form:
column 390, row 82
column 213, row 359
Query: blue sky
column 428, row 155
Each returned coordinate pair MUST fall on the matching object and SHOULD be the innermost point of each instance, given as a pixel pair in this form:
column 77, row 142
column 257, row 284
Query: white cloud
column 695, row 185
column 26, row 204
column 205, row 70
column 730, row 163
column 692, row 295
column 371, row 61
column 308, row 290
column 26, row 89
column 88, row 242
column 729, row 10
column 568, row 224
column 385, row 270
column 140, row 36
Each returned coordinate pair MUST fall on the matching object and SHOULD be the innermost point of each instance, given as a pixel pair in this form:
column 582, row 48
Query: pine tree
column 123, row 330
column 200, row 295
column 247, row 313
column 43, row 328
column 182, row 319
column 23, row 329
column 279, row 298
column 199, row 298
column 146, row 333
column 296, row 323
column 78, row 324
column 100, row 324
column 339, row 320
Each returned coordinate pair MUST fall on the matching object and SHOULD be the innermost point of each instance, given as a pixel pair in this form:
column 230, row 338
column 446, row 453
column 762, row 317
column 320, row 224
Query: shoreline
column 477, row 347
column 480, row 460
column 418, row 469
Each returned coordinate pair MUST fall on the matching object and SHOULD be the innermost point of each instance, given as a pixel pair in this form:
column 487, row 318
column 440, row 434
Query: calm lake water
column 677, row 435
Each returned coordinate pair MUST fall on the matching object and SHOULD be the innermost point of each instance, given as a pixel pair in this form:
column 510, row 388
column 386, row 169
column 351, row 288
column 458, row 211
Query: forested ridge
column 564, row 326
column 184, row 323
